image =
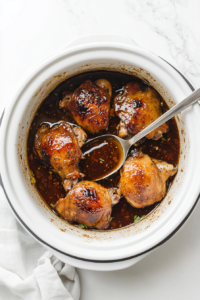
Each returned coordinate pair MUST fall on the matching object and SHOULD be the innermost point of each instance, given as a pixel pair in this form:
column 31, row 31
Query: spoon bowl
column 122, row 145
column 125, row 145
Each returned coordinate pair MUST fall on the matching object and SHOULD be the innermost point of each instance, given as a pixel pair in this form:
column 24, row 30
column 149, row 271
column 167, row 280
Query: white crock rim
column 9, row 109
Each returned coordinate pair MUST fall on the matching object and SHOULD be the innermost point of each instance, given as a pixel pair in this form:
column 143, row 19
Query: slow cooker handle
column 88, row 39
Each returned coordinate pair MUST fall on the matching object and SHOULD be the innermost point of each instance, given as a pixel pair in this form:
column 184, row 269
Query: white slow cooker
column 89, row 249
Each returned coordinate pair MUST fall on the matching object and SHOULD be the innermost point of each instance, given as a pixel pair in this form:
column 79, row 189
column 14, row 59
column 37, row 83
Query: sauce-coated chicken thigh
column 89, row 105
column 88, row 203
column 59, row 147
column 138, row 107
column 143, row 180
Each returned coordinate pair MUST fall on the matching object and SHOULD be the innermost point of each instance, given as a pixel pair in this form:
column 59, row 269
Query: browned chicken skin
column 89, row 105
column 87, row 203
column 59, row 147
column 143, row 180
column 138, row 107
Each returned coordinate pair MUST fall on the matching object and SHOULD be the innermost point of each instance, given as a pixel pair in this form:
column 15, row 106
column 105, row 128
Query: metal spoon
column 126, row 144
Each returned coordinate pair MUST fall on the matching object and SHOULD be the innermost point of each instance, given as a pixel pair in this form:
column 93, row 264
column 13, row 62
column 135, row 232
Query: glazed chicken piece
column 89, row 105
column 88, row 203
column 138, row 107
column 59, row 147
column 143, row 180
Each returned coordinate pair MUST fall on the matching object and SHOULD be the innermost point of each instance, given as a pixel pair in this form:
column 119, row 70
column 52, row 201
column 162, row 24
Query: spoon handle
column 191, row 99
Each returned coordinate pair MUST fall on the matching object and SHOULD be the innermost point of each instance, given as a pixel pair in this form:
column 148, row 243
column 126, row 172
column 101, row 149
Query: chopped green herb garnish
column 82, row 225
column 137, row 218
column 163, row 139
column 52, row 205
column 111, row 218
column 101, row 159
column 161, row 104
column 160, row 112
column 56, row 94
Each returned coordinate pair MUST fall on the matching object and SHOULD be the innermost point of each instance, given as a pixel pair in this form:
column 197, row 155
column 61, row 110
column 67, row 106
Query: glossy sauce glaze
column 100, row 158
column 49, row 184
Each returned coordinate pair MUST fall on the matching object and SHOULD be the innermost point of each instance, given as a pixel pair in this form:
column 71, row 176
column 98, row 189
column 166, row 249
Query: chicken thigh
column 59, row 147
column 88, row 203
column 138, row 107
column 89, row 105
column 143, row 180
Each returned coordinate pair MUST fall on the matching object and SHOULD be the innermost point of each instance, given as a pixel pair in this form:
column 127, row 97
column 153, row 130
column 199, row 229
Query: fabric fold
column 27, row 270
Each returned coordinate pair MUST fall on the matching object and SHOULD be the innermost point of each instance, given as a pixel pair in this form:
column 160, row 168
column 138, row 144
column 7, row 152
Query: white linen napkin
column 27, row 270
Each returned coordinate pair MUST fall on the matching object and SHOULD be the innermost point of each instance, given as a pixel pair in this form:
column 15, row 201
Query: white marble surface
column 31, row 30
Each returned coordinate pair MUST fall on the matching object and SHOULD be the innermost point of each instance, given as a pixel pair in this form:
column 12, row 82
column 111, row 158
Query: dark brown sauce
column 101, row 157
column 49, row 184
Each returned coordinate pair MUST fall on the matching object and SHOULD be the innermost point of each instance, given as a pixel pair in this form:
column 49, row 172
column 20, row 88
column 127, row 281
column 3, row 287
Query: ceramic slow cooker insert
column 91, row 249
